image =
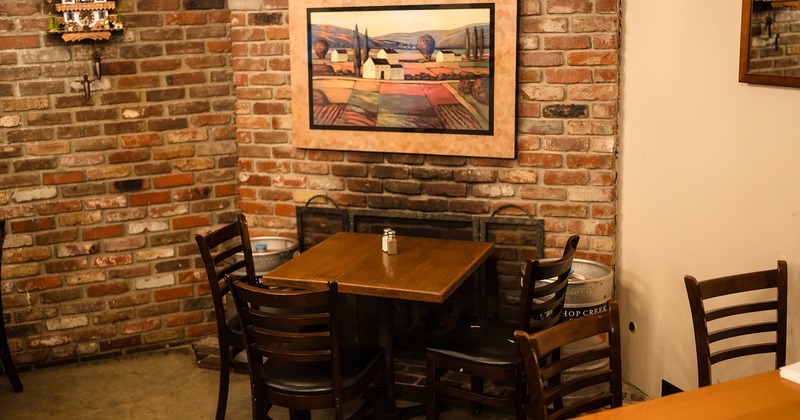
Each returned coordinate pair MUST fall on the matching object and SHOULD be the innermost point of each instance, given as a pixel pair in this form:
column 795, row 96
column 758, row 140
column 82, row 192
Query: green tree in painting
column 480, row 44
column 468, row 43
column 475, row 42
column 356, row 53
column 365, row 56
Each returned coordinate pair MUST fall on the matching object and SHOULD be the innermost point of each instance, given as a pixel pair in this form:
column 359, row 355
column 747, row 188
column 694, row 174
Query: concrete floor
column 163, row 384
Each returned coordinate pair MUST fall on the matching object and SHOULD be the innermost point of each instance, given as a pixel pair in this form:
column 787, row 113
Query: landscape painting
column 433, row 77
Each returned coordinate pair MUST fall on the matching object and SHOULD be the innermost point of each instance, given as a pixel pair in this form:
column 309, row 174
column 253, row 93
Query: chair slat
column 741, row 351
column 742, row 330
column 715, row 314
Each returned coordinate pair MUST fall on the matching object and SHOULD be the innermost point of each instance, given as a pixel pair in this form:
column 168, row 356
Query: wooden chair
column 485, row 349
column 546, row 384
column 736, row 286
column 226, row 242
column 5, row 352
column 295, row 358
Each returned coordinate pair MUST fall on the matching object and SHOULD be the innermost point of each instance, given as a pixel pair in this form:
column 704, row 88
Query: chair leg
column 379, row 407
column 432, row 412
column 520, row 393
column 224, row 378
column 8, row 365
column 477, row 387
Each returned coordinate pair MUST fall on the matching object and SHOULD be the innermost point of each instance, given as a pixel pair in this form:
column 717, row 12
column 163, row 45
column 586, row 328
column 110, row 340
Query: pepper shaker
column 391, row 243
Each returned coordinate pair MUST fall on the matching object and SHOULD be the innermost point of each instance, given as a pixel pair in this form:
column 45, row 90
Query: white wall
column 709, row 178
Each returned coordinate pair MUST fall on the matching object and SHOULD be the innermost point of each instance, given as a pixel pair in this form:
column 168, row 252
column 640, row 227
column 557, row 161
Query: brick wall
column 565, row 167
column 103, row 195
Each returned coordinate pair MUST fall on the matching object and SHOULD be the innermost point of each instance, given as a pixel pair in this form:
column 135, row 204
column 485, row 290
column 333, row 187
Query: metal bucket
column 278, row 251
column 589, row 289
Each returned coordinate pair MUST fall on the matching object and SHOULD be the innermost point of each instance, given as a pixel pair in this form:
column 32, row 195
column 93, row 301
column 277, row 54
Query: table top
column 761, row 396
column 424, row 269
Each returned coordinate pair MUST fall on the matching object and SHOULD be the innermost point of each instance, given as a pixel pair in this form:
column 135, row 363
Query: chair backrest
column 543, row 373
column 544, row 288
column 226, row 241
column 293, row 325
column 728, row 322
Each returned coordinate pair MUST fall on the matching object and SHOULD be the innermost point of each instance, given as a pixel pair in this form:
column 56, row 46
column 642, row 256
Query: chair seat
column 290, row 377
column 485, row 341
column 234, row 325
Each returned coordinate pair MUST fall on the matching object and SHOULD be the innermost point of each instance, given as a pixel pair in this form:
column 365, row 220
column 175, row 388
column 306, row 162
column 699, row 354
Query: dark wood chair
column 5, row 352
column 485, row 349
column 295, row 358
column 705, row 311
column 548, row 387
column 218, row 250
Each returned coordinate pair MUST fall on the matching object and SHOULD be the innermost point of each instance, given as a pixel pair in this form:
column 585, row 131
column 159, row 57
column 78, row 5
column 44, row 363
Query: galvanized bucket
column 278, row 250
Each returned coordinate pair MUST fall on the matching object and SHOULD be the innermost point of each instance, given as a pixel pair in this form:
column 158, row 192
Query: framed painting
column 769, row 47
column 405, row 76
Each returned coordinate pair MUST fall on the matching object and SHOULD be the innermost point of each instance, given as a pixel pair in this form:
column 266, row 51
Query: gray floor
column 156, row 385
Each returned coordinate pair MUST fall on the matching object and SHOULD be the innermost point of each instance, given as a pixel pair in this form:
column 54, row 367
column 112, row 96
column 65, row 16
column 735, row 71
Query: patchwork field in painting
column 356, row 102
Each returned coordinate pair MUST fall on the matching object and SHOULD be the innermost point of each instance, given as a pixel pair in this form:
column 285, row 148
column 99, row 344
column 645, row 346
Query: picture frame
column 436, row 77
column 765, row 57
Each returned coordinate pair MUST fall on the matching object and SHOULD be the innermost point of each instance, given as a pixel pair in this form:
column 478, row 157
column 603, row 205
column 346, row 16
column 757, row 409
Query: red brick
column 183, row 319
column 190, row 222
column 17, row 42
column 140, row 326
column 592, row 58
column 558, row 76
column 97, row 333
column 590, row 161
column 141, row 140
column 566, row 177
column 120, row 343
column 173, row 293
column 201, row 330
column 568, row 6
column 225, row 190
column 541, row 160
column 103, row 232
column 33, row 225
column 107, row 288
column 63, row 178
column 146, row 199
column 174, row 180
column 38, row 283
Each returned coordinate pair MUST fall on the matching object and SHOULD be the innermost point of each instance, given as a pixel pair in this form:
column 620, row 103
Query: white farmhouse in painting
column 390, row 55
column 379, row 68
column 339, row 55
column 444, row 56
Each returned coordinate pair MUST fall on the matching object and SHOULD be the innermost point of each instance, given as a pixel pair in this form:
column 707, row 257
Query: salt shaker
column 385, row 240
column 391, row 243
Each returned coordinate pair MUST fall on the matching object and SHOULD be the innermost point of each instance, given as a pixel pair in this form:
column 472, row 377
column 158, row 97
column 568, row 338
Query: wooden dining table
column 761, row 396
column 423, row 270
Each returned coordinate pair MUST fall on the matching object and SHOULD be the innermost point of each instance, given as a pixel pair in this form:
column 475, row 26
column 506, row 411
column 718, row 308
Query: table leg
column 386, row 340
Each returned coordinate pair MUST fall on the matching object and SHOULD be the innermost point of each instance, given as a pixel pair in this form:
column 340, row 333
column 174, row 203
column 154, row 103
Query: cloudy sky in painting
column 392, row 21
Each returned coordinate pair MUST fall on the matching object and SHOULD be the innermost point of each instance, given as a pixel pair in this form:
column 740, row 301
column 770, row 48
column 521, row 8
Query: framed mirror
column 769, row 49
